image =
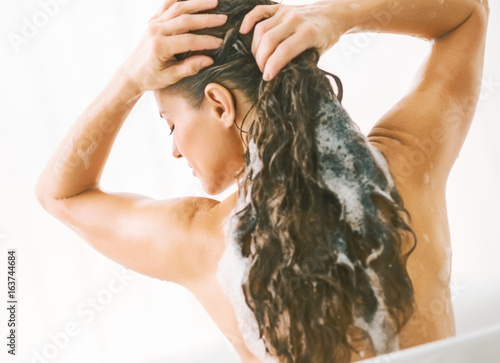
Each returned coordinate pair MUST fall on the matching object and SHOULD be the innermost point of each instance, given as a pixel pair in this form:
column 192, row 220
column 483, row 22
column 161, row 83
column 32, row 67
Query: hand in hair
column 152, row 65
column 282, row 32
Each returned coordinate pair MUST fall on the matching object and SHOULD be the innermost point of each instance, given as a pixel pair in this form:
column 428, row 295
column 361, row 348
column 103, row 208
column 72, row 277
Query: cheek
column 196, row 142
column 215, row 152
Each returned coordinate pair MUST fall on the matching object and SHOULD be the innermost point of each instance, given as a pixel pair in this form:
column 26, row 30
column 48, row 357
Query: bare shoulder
column 424, row 197
column 206, row 239
column 423, row 192
column 177, row 240
column 423, row 133
column 429, row 265
column 203, row 222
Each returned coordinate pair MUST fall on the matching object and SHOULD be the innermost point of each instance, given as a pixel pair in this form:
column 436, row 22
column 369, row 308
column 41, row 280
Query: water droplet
column 444, row 274
column 426, row 178
column 431, row 165
column 426, row 238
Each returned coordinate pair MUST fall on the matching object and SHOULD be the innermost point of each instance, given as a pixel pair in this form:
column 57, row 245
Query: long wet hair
column 319, row 221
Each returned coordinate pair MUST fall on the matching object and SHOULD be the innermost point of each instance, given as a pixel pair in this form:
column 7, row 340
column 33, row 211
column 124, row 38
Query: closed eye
column 172, row 129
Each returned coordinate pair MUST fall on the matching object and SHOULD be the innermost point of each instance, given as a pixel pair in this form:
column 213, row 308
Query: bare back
column 428, row 267
column 181, row 240
column 420, row 138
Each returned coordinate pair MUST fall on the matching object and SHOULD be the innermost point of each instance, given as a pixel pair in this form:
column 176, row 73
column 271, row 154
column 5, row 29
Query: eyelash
column 172, row 129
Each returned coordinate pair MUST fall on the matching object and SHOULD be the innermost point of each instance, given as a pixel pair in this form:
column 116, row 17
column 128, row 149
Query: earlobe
column 221, row 103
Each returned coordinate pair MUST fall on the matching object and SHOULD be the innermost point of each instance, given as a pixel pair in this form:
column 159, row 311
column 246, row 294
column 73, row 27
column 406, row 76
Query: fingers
column 165, row 6
column 276, row 39
column 266, row 44
column 189, row 67
column 186, row 23
column 181, row 43
column 255, row 15
column 261, row 29
column 281, row 33
column 283, row 54
column 186, row 7
column 171, row 30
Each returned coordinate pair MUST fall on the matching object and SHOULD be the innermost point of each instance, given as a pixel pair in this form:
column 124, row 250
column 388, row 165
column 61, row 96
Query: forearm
column 78, row 162
column 427, row 19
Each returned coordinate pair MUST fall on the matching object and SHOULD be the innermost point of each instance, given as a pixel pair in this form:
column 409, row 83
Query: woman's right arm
column 426, row 129
column 173, row 239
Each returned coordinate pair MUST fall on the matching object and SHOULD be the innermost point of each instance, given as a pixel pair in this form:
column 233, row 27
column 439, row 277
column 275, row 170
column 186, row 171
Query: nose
column 175, row 152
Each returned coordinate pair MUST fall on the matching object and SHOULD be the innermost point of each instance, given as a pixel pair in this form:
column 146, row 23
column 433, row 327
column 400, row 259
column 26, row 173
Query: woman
column 315, row 258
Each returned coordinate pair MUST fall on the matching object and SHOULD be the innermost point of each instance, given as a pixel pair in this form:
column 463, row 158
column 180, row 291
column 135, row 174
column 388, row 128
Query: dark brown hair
column 306, row 292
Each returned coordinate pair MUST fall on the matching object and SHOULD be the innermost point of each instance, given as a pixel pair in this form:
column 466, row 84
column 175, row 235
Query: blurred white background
column 77, row 306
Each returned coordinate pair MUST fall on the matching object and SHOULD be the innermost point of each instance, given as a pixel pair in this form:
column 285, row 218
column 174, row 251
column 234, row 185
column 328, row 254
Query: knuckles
column 153, row 29
column 191, row 68
column 294, row 17
column 310, row 30
column 259, row 30
column 175, row 9
column 156, row 46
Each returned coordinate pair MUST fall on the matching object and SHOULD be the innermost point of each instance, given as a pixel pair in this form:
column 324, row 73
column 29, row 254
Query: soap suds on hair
column 381, row 330
column 349, row 165
column 232, row 273
column 355, row 171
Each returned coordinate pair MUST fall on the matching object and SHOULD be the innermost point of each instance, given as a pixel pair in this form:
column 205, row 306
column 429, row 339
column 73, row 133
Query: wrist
column 366, row 16
column 129, row 89
column 119, row 96
column 340, row 12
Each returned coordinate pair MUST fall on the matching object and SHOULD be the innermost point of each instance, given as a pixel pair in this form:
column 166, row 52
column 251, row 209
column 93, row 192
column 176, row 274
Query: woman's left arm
column 282, row 32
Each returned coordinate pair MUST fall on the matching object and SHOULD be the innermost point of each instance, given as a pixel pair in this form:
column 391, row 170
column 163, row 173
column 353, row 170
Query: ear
column 220, row 103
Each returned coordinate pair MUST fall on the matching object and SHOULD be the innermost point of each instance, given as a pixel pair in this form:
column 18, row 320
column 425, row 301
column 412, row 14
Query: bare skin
column 181, row 240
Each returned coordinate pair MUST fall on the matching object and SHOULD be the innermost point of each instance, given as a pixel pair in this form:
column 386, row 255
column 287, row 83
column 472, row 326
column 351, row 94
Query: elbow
column 477, row 9
column 40, row 194
column 43, row 196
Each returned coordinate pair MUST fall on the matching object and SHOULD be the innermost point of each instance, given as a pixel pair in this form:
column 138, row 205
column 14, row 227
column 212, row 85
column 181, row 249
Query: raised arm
column 427, row 128
column 143, row 234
